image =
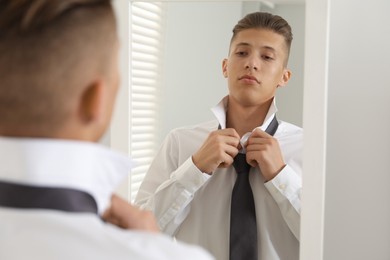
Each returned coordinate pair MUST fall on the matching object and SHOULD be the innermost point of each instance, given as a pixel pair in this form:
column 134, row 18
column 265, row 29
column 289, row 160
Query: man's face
column 256, row 66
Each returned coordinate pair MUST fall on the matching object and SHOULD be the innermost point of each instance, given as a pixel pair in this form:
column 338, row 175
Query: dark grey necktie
column 14, row 195
column 243, row 227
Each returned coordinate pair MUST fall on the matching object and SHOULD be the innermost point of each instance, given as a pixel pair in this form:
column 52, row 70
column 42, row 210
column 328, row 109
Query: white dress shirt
column 53, row 234
column 195, row 207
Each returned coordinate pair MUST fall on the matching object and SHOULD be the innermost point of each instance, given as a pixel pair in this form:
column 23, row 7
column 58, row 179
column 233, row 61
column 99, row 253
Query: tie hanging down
column 243, row 227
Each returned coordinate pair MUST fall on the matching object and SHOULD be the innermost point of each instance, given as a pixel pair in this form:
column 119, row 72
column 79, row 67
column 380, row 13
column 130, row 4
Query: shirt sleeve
column 286, row 188
column 168, row 188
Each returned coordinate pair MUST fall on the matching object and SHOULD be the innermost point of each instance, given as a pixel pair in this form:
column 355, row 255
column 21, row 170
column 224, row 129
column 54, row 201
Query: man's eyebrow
column 242, row 44
column 270, row 48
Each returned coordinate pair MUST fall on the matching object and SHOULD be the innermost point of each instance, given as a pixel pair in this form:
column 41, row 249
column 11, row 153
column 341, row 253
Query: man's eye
column 241, row 53
column 266, row 57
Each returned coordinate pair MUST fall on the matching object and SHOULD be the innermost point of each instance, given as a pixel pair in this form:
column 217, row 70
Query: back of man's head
column 50, row 51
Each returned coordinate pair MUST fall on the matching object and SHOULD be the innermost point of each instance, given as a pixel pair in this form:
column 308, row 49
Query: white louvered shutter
column 146, row 39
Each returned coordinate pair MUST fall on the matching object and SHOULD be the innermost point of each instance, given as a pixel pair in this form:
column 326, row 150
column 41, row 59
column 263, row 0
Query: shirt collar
column 86, row 166
column 221, row 108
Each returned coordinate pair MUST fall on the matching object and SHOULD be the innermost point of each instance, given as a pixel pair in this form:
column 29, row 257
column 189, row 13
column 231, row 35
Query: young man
column 58, row 81
column 189, row 184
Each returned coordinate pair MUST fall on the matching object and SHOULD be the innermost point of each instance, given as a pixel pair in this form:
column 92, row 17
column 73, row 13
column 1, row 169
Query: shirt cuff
column 190, row 176
column 287, row 184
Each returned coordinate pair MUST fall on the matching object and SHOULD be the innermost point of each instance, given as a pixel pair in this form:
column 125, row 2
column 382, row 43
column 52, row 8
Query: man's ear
column 224, row 68
column 92, row 103
column 285, row 78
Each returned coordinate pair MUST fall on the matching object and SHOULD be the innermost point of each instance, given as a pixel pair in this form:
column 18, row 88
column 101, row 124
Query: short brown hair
column 48, row 48
column 263, row 20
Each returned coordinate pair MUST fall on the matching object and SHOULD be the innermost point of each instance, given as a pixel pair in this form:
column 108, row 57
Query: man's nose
column 252, row 64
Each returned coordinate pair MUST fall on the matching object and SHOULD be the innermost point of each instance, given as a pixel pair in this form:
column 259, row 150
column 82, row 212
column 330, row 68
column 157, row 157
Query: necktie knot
column 240, row 164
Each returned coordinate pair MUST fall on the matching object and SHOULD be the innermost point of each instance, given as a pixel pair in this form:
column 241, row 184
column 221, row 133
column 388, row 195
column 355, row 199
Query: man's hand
column 126, row 216
column 219, row 149
column 263, row 150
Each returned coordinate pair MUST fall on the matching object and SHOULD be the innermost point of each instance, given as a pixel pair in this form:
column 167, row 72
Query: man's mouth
column 249, row 79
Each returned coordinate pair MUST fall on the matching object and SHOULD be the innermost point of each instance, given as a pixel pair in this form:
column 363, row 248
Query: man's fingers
column 251, row 159
column 226, row 162
column 231, row 151
column 226, row 137
column 256, row 147
column 252, row 163
column 229, row 132
column 219, row 148
column 259, row 141
column 259, row 133
column 124, row 215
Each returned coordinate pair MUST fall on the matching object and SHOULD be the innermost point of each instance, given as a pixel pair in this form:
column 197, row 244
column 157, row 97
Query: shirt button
column 282, row 186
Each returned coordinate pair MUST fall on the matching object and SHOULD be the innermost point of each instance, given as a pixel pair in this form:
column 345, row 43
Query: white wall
column 290, row 98
column 197, row 40
column 347, row 126
column 117, row 137
column 357, row 203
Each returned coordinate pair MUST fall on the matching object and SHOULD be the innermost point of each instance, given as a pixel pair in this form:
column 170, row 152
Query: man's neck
column 67, row 131
column 246, row 118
